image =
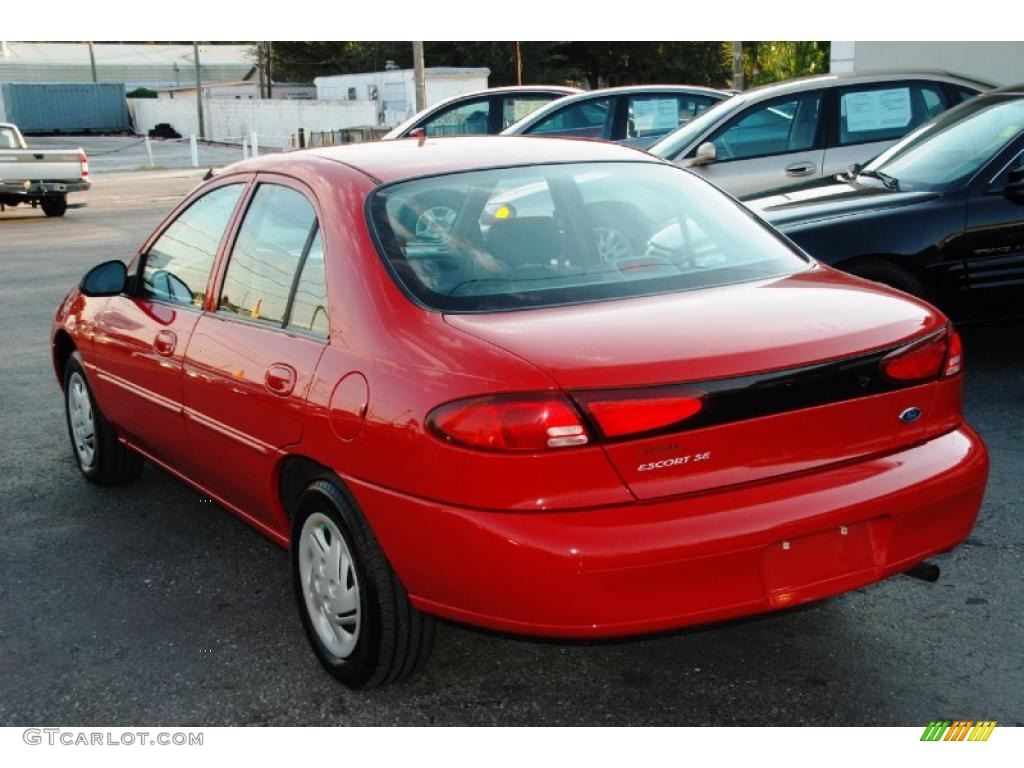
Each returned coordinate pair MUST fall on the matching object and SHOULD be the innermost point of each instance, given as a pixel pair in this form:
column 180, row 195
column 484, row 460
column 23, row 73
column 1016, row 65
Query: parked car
column 502, row 428
column 637, row 115
column 481, row 112
column 37, row 176
column 812, row 127
column 940, row 215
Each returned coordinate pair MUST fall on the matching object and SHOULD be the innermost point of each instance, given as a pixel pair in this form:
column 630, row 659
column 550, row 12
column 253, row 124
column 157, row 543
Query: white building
column 1000, row 63
column 150, row 66
column 394, row 90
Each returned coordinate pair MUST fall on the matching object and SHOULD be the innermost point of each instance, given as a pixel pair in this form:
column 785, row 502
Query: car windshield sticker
column 655, row 114
column 877, row 110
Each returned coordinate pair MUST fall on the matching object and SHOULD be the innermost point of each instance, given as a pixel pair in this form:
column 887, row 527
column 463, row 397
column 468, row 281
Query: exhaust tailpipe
column 924, row 571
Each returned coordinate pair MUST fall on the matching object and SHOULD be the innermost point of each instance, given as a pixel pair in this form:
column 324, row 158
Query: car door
column 771, row 144
column 141, row 336
column 994, row 238
column 867, row 119
column 649, row 116
column 253, row 353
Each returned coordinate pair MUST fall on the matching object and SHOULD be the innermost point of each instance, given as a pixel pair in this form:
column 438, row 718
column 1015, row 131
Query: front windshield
column 954, row 146
column 671, row 145
column 547, row 235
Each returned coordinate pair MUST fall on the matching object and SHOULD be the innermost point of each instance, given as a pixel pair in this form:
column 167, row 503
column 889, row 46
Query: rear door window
column 8, row 139
column 590, row 119
column 178, row 265
column 515, row 108
column 471, row 118
column 654, row 115
column 273, row 241
column 781, row 126
column 886, row 113
column 309, row 307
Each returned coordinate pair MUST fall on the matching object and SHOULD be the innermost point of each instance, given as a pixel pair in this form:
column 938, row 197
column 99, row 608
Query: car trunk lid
column 785, row 373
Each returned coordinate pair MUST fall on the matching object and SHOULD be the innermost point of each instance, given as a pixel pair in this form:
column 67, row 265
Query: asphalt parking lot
column 147, row 605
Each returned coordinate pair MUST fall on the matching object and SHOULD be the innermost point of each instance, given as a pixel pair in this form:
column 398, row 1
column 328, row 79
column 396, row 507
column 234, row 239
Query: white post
column 195, row 151
column 245, row 148
column 149, row 151
column 254, row 146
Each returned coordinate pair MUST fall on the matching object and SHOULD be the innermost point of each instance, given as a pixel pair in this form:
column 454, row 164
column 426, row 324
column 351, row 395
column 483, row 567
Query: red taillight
column 85, row 165
column 630, row 415
column 954, row 360
column 510, row 423
column 622, row 412
column 929, row 359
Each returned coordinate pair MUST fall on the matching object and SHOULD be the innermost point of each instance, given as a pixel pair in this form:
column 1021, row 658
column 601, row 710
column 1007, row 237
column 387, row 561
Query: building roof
column 129, row 63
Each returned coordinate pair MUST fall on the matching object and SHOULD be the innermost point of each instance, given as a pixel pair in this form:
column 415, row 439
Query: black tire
column 55, row 205
column 889, row 274
column 113, row 463
column 394, row 640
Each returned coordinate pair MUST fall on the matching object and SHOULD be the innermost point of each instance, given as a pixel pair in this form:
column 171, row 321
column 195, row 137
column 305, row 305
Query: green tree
column 628, row 63
column 774, row 60
column 586, row 63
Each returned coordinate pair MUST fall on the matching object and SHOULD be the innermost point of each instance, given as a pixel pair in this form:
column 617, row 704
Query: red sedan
column 460, row 378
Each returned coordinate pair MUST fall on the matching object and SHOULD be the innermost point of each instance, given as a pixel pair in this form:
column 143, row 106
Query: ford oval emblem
column 911, row 414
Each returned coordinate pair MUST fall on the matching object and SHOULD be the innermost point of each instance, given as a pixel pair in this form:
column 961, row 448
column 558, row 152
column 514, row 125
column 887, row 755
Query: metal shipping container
column 65, row 107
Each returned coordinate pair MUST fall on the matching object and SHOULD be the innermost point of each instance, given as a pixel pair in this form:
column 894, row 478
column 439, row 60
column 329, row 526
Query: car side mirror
column 706, row 154
column 106, row 279
column 1014, row 188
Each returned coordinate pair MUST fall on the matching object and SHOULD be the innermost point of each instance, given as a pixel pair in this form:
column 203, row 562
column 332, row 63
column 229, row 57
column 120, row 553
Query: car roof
column 405, row 125
column 652, row 88
column 387, row 161
column 1011, row 89
column 854, row 78
column 519, row 89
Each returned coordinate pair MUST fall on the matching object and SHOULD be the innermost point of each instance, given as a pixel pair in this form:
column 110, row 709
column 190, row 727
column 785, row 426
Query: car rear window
column 546, row 235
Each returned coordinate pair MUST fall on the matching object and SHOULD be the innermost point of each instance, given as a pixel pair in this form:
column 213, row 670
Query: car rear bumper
column 35, row 189
column 644, row 567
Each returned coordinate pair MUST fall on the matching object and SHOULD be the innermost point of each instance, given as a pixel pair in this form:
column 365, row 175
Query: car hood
column 816, row 315
column 830, row 200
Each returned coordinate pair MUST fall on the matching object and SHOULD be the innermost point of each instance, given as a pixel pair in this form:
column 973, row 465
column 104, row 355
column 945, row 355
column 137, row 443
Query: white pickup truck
column 40, row 177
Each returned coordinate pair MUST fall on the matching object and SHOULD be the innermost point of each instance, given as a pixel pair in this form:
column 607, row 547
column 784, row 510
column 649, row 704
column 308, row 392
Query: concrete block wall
column 274, row 120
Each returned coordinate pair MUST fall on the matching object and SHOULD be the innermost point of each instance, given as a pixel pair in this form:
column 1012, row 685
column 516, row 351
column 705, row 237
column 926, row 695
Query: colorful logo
column 958, row 730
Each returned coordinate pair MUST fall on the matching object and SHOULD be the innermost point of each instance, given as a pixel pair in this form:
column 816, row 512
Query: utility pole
column 737, row 65
column 199, row 90
column 259, row 69
column 519, row 64
column 268, row 57
column 92, row 61
column 420, row 75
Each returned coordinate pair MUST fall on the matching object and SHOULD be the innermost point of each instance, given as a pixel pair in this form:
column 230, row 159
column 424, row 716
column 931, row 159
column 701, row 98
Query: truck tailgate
column 53, row 165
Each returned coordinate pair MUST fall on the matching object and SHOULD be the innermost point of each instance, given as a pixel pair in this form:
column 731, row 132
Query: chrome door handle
column 165, row 343
column 280, row 379
column 800, row 169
